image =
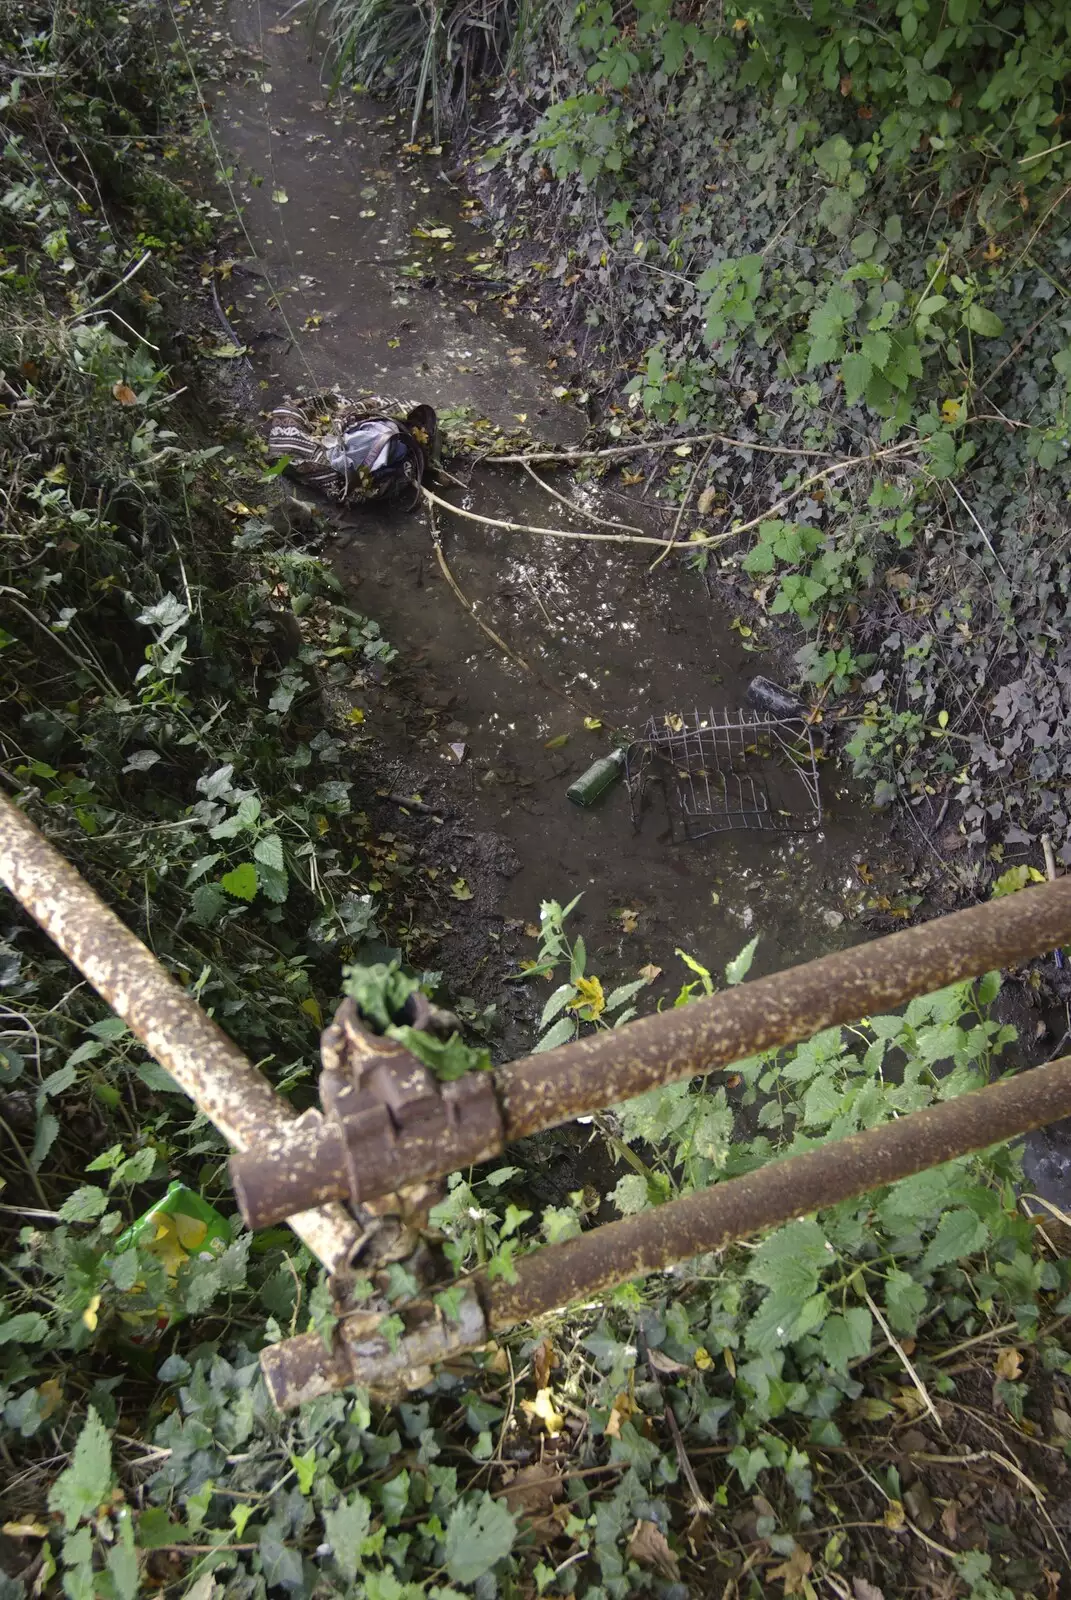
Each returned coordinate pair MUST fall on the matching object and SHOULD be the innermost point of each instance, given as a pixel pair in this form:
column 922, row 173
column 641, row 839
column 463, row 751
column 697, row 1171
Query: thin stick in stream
column 498, row 642
column 620, row 527
column 564, row 533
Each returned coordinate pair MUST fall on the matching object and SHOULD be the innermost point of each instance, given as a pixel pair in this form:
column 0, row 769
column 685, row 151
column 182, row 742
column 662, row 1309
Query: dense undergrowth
column 161, row 719
column 842, row 234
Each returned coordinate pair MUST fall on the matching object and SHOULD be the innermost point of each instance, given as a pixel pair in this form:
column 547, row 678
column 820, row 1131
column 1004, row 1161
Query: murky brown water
column 329, row 215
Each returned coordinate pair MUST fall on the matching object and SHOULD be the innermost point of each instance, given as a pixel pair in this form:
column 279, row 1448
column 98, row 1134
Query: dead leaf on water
column 629, row 920
column 649, row 1547
column 557, row 742
column 460, row 889
column 650, row 972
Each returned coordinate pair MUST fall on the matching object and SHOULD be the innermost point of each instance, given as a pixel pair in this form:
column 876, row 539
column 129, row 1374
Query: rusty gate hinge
column 386, row 1125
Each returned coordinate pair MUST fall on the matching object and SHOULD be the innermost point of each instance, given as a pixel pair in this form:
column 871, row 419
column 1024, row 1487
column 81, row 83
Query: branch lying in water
column 706, row 541
column 573, row 533
column 574, row 457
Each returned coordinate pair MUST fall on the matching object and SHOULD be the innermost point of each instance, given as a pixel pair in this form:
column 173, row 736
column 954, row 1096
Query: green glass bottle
column 598, row 778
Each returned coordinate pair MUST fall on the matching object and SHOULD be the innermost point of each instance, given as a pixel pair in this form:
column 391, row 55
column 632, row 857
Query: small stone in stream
column 456, row 752
column 832, row 919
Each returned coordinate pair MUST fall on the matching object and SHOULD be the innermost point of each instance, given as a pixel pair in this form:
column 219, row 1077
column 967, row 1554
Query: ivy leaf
column 87, row 1482
column 241, row 882
column 478, row 1537
column 347, row 1527
column 959, row 1233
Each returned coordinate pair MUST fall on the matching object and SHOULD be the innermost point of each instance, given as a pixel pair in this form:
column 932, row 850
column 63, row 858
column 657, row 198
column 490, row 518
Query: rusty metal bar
column 541, row 1091
column 170, row 1024
column 587, row 1266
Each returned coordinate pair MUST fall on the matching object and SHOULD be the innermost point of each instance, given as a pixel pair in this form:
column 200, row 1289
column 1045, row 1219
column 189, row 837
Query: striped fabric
column 354, row 450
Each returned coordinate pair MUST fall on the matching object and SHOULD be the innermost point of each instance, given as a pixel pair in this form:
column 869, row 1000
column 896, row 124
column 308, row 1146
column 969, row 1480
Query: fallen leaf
column 460, row 889
column 51, row 1393
column 89, row 1315
column 706, row 500
column 950, row 1520
column 629, row 920
column 542, row 1409
column 25, row 1530
column 863, row 1589
column 793, row 1572
column 591, row 723
column 557, row 742
column 623, row 1408
column 280, row 197
column 630, row 478
column 663, row 1363
column 542, row 1362
column 650, row 972
column 673, row 721
column 894, row 1516
column 533, row 1490
column 531, row 931
column 124, row 394
column 1009, row 1364
column 703, row 1358
column 649, row 1547
column 227, row 352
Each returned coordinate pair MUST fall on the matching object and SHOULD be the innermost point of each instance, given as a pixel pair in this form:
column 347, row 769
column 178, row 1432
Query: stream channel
column 329, row 208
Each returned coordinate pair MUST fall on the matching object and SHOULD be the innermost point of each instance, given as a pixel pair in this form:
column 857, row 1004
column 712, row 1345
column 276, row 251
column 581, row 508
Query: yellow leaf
column 1008, row 1365
column 311, row 1009
column 51, row 1392
column 89, row 1315
column 590, row 1000
column 355, row 714
column 591, row 723
column 25, row 1530
column 557, row 742
column 622, row 1409
column 542, row 1409
column 703, row 1359
column 629, row 920
column 894, row 1516
column 951, row 410
column 460, row 889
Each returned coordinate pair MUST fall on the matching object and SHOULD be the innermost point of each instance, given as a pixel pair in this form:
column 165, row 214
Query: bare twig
column 904, row 1358
column 589, row 516
column 562, row 533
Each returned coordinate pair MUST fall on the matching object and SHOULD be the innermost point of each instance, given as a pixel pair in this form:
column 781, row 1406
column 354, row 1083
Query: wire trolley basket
column 720, row 770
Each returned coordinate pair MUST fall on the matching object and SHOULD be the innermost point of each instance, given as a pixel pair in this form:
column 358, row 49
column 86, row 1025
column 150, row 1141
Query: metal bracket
column 387, row 1125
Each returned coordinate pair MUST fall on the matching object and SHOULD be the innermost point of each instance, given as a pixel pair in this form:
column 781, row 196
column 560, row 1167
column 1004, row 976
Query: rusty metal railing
column 390, row 1131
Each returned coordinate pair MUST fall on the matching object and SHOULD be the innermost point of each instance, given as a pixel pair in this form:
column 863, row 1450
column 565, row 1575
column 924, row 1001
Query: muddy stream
column 320, row 296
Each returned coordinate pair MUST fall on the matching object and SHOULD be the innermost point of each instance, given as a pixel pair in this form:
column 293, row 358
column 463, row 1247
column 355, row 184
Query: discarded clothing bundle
column 355, row 451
